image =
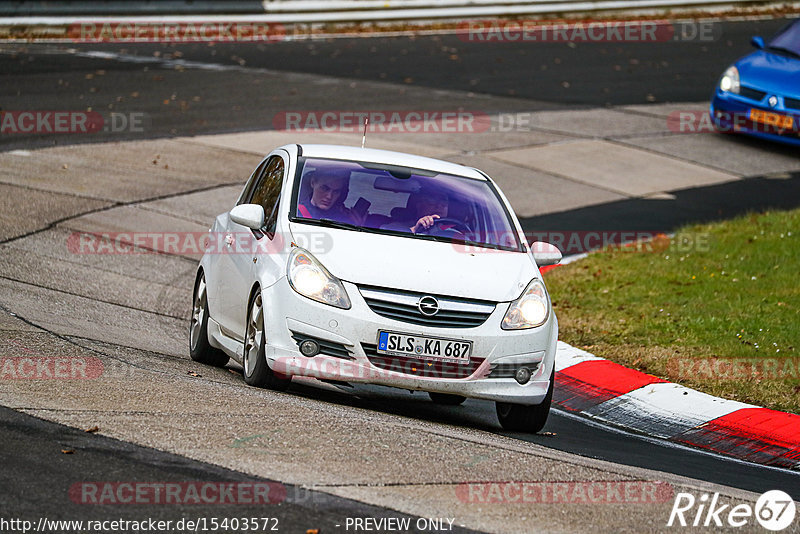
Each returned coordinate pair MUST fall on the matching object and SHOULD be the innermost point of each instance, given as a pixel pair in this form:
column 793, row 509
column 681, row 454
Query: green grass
column 728, row 290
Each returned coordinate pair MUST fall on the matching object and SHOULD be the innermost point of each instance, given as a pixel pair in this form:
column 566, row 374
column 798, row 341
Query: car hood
column 417, row 264
column 770, row 72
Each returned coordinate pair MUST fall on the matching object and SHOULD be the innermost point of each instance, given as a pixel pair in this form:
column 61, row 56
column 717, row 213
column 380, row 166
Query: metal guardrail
column 322, row 11
column 357, row 11
column 63, row 8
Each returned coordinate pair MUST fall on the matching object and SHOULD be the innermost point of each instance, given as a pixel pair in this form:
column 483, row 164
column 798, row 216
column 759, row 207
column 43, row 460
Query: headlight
column 308, row 277
column 730, row 81
column 529, row 310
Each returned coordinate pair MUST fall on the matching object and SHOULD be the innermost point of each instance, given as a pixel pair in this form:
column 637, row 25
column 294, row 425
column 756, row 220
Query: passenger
column 329, row 188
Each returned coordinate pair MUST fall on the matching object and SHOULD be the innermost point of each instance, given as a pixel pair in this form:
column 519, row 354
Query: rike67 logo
column 774, row 510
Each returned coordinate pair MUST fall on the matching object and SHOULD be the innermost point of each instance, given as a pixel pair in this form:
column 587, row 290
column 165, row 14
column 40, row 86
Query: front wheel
column 521, row 418
column 199, row 348
column 256, row 370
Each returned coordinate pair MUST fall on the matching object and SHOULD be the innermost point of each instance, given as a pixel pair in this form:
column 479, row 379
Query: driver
column 425, row 207
column 429, row 207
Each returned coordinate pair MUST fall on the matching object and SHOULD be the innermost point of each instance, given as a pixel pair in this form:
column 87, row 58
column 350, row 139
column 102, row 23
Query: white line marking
column 663, row 409
column 567, row 356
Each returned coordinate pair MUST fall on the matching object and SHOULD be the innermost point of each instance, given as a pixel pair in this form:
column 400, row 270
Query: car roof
column 373, row 155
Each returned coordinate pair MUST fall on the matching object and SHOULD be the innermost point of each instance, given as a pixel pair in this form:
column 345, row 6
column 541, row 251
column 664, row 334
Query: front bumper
column 730, row 114
column 351, row 335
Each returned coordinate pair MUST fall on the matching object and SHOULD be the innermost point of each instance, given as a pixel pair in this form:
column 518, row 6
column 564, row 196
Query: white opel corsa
column 355, row 265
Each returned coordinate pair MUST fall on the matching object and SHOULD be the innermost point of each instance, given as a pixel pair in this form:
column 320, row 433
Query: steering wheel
column 457, row 225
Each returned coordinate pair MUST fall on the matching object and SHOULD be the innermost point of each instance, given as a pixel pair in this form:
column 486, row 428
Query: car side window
column 251, row 183
column 267, row 192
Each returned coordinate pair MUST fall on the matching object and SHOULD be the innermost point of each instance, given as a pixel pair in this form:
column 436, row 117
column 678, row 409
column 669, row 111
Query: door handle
column 229, row 239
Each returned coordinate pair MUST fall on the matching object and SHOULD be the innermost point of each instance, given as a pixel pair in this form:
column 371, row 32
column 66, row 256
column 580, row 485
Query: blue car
column 759, row 95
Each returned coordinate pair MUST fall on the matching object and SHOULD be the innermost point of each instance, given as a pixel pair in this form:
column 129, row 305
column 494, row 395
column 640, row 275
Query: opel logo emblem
column 773, row 101
column 428, row 305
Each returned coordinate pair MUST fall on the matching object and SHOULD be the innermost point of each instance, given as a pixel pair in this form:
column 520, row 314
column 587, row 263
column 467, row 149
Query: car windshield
column 393, row 200
column 788, row 40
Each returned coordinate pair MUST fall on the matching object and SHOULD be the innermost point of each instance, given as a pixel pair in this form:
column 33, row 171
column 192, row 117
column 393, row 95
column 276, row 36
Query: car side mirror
column 249, row 215
column 545, row 253
column 758, row 42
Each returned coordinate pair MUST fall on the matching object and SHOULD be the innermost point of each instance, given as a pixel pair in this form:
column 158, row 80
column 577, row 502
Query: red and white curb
column 610, row 393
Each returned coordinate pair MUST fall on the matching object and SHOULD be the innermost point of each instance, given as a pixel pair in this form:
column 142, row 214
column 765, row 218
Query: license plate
column 772, row 119
column 423, row 347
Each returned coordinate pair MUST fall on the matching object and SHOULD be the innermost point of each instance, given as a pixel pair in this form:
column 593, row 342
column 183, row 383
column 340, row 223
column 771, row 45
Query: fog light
column 309, row 348
column 522, row 375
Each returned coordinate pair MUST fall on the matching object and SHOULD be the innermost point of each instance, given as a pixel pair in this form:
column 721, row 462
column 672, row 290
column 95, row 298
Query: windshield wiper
column 339, row 224
column 457, row 241
column 482, row 244
column 784, row 50
column 434, row 237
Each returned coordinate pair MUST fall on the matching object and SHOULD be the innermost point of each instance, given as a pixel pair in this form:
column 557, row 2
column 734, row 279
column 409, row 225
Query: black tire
column 200, row 349
column 256, row 370
column 446, row 399
column 521, row 418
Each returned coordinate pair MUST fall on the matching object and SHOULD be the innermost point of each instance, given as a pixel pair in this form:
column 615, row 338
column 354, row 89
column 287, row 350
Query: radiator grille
column 402, row 306
column 752, row 94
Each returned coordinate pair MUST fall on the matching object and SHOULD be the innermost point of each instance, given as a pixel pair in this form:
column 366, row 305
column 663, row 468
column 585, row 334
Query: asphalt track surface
column 515, row 76
column 497, row 77
column 574, row 435
column 34, row 464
